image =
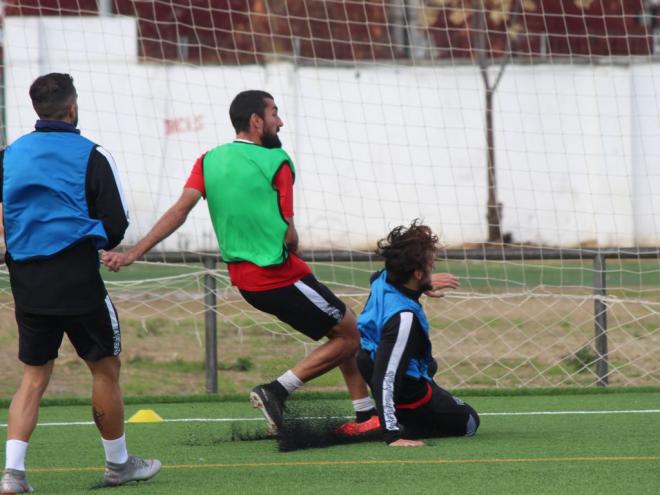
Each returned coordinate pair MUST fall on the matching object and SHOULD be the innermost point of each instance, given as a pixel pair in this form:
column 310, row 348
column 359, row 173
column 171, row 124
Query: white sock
column 366, row 404
column 16, row 450
column 115, row 450
column 290, row 381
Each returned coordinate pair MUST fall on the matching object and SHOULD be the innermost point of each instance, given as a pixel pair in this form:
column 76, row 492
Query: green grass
column 182, row 366
column 545, row 454
column 140, row 271
column 628, row 275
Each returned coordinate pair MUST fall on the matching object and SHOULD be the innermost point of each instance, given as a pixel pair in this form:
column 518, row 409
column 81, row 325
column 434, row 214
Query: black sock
column 362, row 416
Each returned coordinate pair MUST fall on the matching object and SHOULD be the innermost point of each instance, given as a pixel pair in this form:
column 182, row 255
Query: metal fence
column 598, row 257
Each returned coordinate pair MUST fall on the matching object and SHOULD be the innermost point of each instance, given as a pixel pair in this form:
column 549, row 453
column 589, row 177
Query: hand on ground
column 402, row 442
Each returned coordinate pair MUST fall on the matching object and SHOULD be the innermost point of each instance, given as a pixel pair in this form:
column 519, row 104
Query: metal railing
column 597, row 256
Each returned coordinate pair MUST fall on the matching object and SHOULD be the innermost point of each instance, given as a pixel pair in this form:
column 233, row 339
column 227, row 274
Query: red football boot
column 353, row 429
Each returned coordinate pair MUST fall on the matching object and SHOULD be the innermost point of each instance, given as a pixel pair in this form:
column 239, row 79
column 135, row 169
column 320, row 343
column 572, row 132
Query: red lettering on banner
column 184, row 124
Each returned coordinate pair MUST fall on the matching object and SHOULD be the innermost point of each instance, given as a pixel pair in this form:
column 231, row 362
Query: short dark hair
column 407, row 249
column 51, row 95
column 244, row 105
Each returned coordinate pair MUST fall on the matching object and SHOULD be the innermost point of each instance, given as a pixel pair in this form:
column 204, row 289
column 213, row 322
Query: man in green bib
column 248, row 184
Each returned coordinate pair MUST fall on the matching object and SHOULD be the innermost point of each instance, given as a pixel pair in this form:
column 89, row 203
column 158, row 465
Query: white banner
column 576, row 146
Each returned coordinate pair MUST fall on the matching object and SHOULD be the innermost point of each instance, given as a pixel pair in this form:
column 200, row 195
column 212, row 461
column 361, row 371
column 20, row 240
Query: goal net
column 506, row 125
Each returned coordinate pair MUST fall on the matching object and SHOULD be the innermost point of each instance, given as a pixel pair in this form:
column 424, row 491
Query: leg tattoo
column 98, row 416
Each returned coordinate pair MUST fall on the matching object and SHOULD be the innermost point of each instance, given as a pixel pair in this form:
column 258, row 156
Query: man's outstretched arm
column 440, row 281
column 171, row 220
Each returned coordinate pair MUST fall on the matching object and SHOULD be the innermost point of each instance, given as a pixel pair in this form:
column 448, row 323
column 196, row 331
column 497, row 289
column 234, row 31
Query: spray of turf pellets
column 243, row 433
column 311, row 424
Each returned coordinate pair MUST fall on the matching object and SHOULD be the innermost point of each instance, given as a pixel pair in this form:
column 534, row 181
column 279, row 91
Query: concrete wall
column 576, row 146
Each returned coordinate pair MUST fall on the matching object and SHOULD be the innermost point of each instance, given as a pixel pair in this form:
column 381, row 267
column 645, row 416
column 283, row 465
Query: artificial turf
column 595, row 453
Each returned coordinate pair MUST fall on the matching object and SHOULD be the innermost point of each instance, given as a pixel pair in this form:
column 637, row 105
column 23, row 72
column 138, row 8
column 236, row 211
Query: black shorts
column 94, row 335
column 307, row 305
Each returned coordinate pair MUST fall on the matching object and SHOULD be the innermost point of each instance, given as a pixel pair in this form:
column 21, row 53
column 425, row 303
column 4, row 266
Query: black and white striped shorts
column 307, row 305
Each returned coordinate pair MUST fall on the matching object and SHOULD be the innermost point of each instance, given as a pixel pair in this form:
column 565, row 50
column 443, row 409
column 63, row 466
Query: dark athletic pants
column 429, row 410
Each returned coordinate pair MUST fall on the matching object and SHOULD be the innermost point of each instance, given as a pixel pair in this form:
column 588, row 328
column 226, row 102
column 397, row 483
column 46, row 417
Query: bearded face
column 271, row 126
column 425, row 282
column 270, row 140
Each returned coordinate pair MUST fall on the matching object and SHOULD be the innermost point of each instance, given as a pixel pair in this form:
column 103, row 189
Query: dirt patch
column 515, row 339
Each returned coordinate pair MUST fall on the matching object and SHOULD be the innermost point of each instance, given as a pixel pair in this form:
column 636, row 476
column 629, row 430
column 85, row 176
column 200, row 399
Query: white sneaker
column 134, row 469
column 13, row 481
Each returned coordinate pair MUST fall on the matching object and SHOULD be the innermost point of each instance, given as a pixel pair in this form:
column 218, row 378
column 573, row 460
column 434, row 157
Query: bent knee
column 35, row 383
column 37, row 377
column 347, row 331
column 351, row 341
column 106, row 368
column 354, row 345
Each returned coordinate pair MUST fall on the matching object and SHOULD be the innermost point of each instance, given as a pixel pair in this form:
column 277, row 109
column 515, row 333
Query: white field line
column 235, row 420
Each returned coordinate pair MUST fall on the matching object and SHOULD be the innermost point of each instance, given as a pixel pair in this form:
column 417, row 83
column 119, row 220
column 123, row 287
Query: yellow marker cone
column 145, row 416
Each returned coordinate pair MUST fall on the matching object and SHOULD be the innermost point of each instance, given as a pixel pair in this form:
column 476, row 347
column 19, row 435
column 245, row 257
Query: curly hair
column 407, row 249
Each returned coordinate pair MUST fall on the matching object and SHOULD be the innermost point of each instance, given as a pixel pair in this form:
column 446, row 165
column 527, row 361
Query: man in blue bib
column 62, row 202
column 395, row 357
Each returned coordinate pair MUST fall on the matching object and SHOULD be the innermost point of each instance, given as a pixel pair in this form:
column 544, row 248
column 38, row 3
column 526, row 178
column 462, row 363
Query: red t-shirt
column 246, row 275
